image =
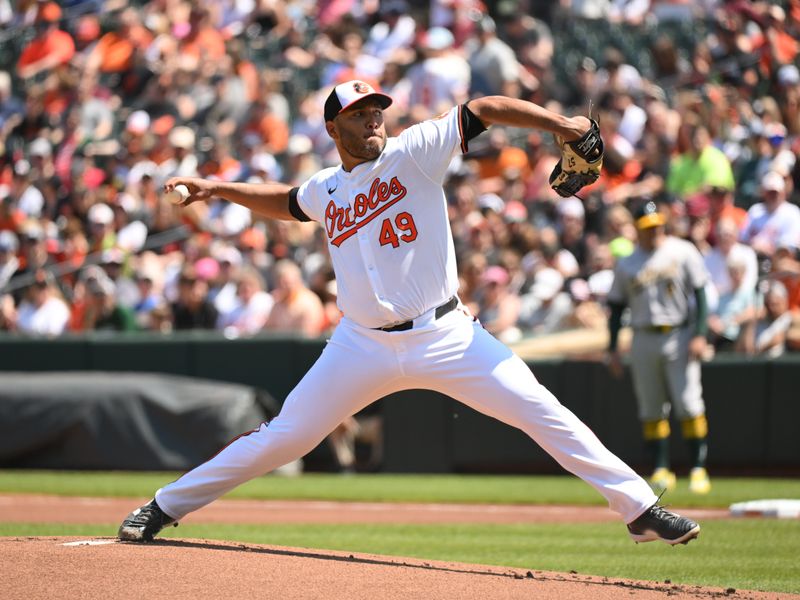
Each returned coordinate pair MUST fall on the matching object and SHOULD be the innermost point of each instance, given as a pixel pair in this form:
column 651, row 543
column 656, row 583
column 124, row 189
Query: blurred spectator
column 632, row 118
column 555, row 256
column 498, row 309
column 120, row 49
column 546, row 308
column 101, row 227
column 301, row 160
column 699, row 163
column 348, row 60
column 600, row 272
column 24, row 194
column 471, row 270
column 9, row 263
column 112, row 261
column 131, row 233
column 772, row 222
column 34, row 255
column 786, row 269
column 149, row 299
column 102, row 312
column 272, row 131
column 727, row 250
column 494, row 67
column 392, row 37
column 498, row 159
column 223, row 289
column 588, row 311
column 50, row 48
column 182, row 160
column 780, row 46
column 198, row 39
column 721, row 206
column 788, row 95
column 8, row 312
column 584, row 86
column 619, row 231
column 735, row 309
column 42, row 312
column 698, row 222
column 669, row 62
column 192, row 309
column 571, row 221
column 769, row 336
column 96, row 116
column 12, row 108
column 441, row 78
column 541, row 160
column 252, row 308
column 616, row 74
column 296, row 309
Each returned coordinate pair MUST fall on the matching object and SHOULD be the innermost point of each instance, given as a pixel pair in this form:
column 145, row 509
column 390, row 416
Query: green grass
column 743, row 554
column 740, row 553
column 391, row 488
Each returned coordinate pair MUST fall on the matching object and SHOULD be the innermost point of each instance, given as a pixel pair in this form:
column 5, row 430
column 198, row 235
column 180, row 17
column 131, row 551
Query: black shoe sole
column 652, row 536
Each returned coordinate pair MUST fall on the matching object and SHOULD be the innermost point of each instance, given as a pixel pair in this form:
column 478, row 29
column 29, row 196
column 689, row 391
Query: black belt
column 438, row 314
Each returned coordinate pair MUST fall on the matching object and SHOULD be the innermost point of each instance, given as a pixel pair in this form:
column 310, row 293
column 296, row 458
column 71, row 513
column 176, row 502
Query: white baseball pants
column 453, row 355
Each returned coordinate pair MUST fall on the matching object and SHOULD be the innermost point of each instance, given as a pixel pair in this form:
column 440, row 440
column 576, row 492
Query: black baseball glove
column 580, row 162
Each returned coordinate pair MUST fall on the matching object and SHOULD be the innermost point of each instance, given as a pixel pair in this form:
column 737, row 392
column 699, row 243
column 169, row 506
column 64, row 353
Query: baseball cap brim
column 344, row 95
column 650, row 220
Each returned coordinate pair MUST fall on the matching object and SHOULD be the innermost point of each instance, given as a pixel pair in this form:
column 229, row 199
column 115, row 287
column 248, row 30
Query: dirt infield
column 49, row 567
column 58, row 509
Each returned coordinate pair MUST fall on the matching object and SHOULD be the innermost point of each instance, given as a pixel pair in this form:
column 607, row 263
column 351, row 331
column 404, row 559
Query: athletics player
column 385, row 216
column 658, row 281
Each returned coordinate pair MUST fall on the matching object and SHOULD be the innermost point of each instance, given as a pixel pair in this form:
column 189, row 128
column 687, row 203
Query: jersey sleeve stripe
column 464, row 147
column 294, row 206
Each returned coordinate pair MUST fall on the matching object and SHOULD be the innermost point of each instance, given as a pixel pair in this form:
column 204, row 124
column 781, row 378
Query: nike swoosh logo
column 331, row 190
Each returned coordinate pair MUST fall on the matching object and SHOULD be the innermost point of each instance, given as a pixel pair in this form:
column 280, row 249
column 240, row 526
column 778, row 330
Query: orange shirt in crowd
column 56, row 101
column 792, row 284
column 249, row 74
column 58, row 43
column 786, row 49
column 274, row 132
column 510, row 157
column 735, row 213
column 12, row 221
column 207, row 44
column 225, row 168
column 115, row 49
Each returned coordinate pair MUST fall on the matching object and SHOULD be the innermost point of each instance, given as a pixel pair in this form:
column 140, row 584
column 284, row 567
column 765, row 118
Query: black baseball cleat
column 656, row 523
column 143, row 523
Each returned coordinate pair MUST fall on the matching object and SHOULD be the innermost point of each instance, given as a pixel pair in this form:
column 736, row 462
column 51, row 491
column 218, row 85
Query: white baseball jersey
column 658, row 285
column 387, row 226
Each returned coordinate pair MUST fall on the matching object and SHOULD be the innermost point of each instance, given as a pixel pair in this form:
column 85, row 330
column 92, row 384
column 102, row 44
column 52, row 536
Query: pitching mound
column 103, row 568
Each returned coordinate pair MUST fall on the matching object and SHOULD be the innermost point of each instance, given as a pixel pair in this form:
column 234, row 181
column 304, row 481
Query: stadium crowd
column 101, row 101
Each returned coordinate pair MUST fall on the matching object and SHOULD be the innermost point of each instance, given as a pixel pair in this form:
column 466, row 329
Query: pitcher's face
column 360, row 130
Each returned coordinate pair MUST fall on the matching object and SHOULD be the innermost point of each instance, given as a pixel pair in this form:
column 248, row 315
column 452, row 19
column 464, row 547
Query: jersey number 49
column 403, row 222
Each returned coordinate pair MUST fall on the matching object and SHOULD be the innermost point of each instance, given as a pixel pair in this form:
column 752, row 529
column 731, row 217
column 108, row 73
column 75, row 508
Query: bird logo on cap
column 361, row 88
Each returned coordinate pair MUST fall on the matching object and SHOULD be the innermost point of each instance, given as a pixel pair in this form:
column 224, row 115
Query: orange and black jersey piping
column 469, row 126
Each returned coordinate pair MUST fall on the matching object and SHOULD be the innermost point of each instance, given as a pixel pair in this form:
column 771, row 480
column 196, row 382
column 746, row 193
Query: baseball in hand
column 178, row 194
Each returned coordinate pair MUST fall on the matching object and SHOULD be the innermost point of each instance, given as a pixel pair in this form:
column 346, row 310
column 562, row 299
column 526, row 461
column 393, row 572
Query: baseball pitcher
column 385, row 217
